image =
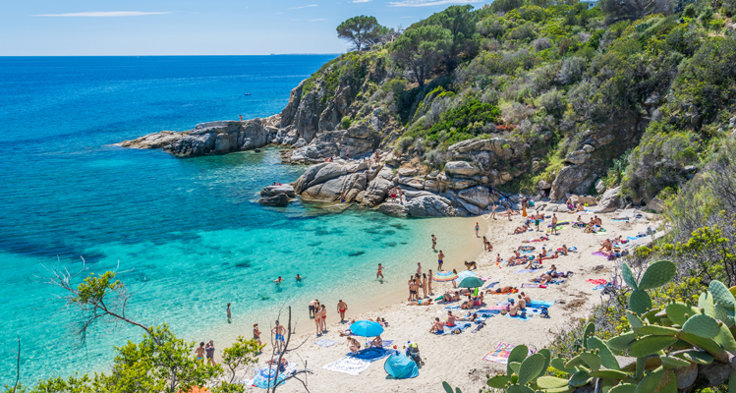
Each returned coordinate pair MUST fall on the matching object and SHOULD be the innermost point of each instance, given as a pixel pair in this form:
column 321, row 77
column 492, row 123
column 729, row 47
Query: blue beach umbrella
column 366, row 328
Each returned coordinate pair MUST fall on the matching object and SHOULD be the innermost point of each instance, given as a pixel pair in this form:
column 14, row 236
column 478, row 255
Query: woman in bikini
column 318, row 320
column 353, row 345
column 450, row 319
column 324, row 319
column 380, row 271
column 199, row 352
column 429, row 282
column 424, row 285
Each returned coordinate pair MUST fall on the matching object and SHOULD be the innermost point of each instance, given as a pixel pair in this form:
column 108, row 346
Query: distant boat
column 247, row 94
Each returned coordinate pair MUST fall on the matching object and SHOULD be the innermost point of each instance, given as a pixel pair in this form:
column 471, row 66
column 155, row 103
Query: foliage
column 242, row 353
column 470, row 119
column 421, row 49
column 363, row 31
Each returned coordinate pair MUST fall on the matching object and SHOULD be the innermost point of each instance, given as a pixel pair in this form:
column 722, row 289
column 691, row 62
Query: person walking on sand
column 429, row 282
column 210, row 349
column 324, row 318
column 477, row 229
column 440, row 260
column 424, row 285
column 493, row 211
column 229, row 314
column 199, row 352
column 341, row 308
column 379, row 274
column 434, row 242
column 279, row 331
column 257, row 334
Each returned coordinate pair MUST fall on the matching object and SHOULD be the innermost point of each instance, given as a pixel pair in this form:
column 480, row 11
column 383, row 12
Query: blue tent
column 400, row 366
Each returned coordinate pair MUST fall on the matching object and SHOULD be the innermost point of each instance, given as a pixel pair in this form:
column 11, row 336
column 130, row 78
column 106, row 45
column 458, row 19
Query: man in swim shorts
column 278, row 332
column 341, row 308
column 440, row 260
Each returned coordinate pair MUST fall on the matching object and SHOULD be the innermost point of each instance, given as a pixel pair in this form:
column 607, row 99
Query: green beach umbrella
column 471, row 282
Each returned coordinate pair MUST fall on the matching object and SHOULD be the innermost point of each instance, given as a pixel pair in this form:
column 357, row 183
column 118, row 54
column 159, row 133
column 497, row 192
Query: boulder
column 655, row 205
column 280, row 200
column 479, row 196
column 429, row 206
column 578, row 157
column 460, row 168
column 376, row 192
column 610, row 201
column 393, row 209
column 570, row 179
column 286, row 189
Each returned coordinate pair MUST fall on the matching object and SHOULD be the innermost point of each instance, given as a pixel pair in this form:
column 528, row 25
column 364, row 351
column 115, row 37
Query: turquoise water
column 187, row 235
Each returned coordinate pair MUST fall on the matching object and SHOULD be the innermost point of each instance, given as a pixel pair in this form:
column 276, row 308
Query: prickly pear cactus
column 668, row 342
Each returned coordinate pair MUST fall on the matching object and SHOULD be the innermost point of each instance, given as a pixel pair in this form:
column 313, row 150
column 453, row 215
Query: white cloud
column 362, row 1
column 304, row 6
column 317, row 20
column 428, row 3
column 106, row 14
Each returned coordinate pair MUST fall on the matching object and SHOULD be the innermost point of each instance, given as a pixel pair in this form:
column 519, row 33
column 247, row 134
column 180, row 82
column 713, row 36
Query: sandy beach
column 458, row 359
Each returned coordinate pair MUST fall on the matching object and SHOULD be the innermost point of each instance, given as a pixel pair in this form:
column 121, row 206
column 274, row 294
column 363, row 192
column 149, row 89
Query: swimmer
column 229, row 314
column 299, row 278
column 278, row 280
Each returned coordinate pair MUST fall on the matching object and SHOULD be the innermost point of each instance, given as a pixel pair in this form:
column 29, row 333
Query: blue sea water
column 186, row 234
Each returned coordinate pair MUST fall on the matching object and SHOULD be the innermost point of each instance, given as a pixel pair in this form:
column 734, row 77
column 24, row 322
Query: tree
column 422, row 49
column 242, row 353
column 460, row 20
column 363, row 31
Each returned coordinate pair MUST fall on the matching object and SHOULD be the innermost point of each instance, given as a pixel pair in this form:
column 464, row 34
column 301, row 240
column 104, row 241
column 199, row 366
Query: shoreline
column 458, row 358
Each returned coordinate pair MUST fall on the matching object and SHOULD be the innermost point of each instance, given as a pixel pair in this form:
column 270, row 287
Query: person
column 527, row 298
column 353, row 345
column 493, row 211
column 199, row 352
column 324, row 318
column 347, row 153
column 342, row 197
column 424, row 285
column 419, row 268
column 429, row 283
column 241, row 118
column 210, row 349
column 341, row 308
column 313, row 307
column 229, row 314
column 554, row 224
column 380, row 271
column 393, row 195
column 440, row 260
column 477, row 229
column 437, row 327
column 454, row 282
column 521, row 302
column 299, row 278
column 278, row 281
column 537, row 219
column 498, row 259
column 420, row 302
column 413, row 290
column 257, row 334
column 434, row 242
column 279, row 331
column 376, row 342
column 520, row 229
column 401, row 195
column 377, row 157
column 512, row 308
column 282, row 364
column 450, row 319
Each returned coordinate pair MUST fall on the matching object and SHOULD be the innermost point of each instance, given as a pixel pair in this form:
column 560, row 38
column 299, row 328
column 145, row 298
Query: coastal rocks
column 479, row 196
column 429, row 205
column 277, row 195
column 571, row 179
column 460, row 168
column 393, row 209
column 610, row 201
column 219, row 137
column 490, row 162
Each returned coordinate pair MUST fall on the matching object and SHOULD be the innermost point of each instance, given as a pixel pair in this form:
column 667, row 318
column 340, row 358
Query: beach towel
column 264, row 377
column 457, row 329
column 504, row 292
column 385, row 344
column 597, row 281
column 325, row 342
column 599, row 254
column 500, row 354
column 532, row 285
column 370, row 354
column 620, row 219
column 520, row 271
column 524, row 318
column 491, row 285
column 348, row 365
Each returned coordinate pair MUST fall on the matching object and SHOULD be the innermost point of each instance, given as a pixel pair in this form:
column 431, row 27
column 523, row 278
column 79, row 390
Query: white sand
column 458, row 358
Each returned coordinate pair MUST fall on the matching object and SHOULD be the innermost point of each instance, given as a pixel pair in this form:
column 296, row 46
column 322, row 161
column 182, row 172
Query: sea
column 185, row 236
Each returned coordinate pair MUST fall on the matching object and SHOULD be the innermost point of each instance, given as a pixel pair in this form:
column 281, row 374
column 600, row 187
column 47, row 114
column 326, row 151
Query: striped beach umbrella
column 444, row 276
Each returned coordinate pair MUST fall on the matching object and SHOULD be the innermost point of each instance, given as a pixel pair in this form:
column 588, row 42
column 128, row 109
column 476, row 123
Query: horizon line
column 149, row 55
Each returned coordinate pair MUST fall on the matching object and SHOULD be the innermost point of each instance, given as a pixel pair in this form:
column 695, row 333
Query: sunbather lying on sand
column 539, row 239
column 420, row 302
column 507, row 289
column 551, row 275
column 520, row 229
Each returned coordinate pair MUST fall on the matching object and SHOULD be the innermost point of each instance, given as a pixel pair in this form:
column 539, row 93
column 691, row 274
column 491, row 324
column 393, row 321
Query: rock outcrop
column 277, row 195
column 217, row 137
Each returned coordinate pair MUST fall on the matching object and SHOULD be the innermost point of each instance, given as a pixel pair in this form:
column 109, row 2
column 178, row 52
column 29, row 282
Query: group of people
column 206, row 351
column 418, row 281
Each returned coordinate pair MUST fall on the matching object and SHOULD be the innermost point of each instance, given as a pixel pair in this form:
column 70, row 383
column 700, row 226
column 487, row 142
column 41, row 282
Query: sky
column 193, row 27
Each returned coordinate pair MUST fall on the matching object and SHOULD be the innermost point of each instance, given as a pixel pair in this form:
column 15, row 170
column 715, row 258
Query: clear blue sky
column 196, row 27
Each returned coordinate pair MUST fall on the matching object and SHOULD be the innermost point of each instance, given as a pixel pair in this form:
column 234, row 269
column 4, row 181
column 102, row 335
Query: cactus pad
column 657, row 274
column 721, row 294
column 698, row 357
column 623, row 388
column 639, row 301
column 531, row 368
column 550, row 382
column 701, row 325
column 679, row 312
column 607, row 358
column 580, row 378
column 650, row 345
column 621, row 342
column 628, row 276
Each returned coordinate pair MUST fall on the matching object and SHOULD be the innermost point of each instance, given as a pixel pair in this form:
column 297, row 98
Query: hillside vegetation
column 584, row 94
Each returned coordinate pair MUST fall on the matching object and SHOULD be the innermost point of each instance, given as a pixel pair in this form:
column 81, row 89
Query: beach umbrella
column 471, row 282
column 366, row 328
column 444, row 276
column 400, row 366
column 463, row 275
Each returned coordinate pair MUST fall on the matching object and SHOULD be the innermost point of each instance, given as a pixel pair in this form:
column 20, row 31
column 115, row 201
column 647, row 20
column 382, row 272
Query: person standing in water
column 440, row 260
column 229, row 314
column 380, row 271
column 341, row 308
column 299, row 278
column 278, row 280
column 434, row 242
